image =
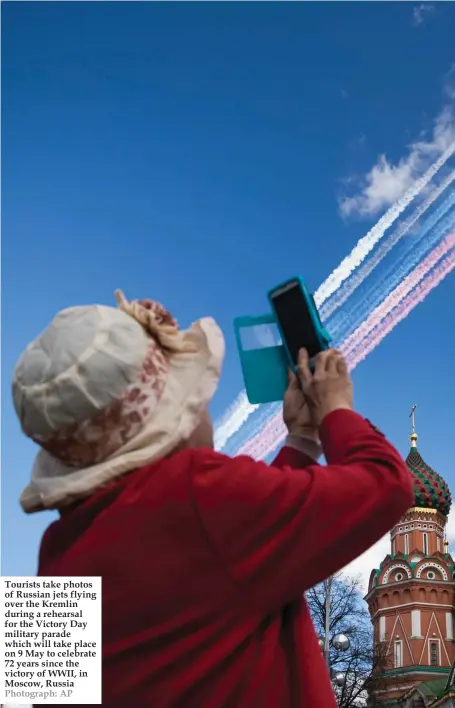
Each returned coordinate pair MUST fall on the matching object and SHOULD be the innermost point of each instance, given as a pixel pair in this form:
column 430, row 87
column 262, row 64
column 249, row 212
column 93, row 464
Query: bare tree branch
column 363, row 663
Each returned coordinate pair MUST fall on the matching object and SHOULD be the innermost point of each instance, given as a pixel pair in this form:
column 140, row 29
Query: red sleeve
column 281, row 531
column 290, row 457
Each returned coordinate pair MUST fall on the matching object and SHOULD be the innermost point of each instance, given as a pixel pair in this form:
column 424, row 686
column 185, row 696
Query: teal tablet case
column 264, row 359
column 264, row 368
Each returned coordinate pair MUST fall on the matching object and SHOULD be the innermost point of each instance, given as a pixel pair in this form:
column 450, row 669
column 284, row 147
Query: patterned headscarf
column 104, row 391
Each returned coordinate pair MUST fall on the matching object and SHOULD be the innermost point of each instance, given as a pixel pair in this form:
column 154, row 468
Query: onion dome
column 430, row 490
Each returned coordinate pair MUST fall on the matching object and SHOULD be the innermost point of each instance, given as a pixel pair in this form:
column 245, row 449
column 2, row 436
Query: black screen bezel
column 291, row 315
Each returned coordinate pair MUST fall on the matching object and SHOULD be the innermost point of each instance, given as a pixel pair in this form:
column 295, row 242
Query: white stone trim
column 398, row 644
column 382, row 632
column 416, row 629
column 392, row 608
column 428, row 639
column 449, row 625
column 398, row 621
column 395, row 566
column 432, row 564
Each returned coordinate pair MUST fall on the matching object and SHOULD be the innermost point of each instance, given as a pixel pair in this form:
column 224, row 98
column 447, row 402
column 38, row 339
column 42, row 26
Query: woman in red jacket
column 204, row 558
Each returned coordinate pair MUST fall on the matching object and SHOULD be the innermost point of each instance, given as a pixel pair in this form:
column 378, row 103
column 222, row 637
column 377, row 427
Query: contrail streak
column 342, row 294
column 404, row 308
column 397, row 295
column 254, row 426
column 239, row 412
column 232, row 419
column 415, row 250
column 405, row 273
column 364, row 246
column 392, row 276
column 274, row 431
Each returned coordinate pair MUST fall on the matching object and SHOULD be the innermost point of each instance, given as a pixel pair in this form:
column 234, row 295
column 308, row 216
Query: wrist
column 302, row 431
column 308, row 446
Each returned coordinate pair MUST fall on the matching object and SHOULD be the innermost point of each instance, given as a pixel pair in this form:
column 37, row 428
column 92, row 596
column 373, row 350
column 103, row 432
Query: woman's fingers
column 303, row 367
column 293, row 382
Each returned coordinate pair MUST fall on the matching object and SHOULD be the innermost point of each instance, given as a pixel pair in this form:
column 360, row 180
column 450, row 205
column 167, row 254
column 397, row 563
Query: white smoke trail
column 391, row 276
column 341, row 295
column 232, row 419
column 274, row 431
column 365, row 245
column 255, row 425
column 240, row 411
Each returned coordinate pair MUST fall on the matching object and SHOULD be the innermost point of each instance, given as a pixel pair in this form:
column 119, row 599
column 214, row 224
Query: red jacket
column 205, row 559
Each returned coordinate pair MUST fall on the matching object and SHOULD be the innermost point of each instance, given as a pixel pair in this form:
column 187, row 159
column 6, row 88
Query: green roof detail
column 432, row 689
column 430, row 490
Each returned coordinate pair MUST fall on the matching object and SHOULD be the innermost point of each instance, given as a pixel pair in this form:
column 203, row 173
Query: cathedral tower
column 411, row 596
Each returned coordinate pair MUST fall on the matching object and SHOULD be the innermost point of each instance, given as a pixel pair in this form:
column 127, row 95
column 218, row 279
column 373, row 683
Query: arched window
column 406, row 543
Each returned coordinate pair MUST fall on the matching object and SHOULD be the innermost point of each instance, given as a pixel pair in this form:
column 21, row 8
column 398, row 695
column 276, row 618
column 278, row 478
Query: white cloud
column 419, row 12
column 386, row 182
column 362, row 566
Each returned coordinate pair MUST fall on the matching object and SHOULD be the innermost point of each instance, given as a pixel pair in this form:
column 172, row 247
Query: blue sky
column 199, row 154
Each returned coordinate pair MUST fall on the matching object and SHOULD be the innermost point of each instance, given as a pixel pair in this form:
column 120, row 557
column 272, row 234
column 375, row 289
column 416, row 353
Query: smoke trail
column 266, row 423
column 274, row 431
column 414, row 271
column 255, row 425
column 405, row 307
column 239, row 412
column 232, row 419
column 342, row 294
column 364, row 246
column 393, row 275
column 397, row 295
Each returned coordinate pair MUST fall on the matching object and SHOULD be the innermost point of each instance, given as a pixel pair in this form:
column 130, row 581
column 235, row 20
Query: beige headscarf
column 104, row 391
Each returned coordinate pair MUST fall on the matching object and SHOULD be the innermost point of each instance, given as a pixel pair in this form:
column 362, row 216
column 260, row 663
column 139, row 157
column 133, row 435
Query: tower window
column 398, row 655
column 434, row 654
column 406, row 543
column 425, row 543
column 431, row 575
